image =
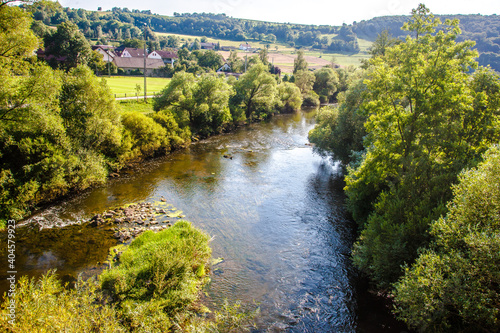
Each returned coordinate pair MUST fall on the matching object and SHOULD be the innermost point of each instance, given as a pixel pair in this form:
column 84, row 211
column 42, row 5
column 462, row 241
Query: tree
column 326, row 83
column 256, row 91
column 67, row 47
column 236, row 63
column 89, row 112
column 210, row 59
column 288, row 97
column 418, row 97
column 299, row 63
column 340, row 130
column 203, row 103
column 305, row 81
column 382, row 43
column 454, row 286
column 263, row 55
column 17, row 41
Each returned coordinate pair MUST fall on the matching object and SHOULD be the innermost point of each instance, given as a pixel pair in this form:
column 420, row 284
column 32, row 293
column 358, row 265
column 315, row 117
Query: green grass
column 121, row 85
column 133, row 105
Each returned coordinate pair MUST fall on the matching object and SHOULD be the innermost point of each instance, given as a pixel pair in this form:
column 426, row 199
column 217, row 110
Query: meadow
column 125, row 86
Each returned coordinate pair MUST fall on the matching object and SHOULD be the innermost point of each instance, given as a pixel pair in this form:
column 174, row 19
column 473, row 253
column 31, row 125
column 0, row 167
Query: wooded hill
column 483, row 30
column 122, row 23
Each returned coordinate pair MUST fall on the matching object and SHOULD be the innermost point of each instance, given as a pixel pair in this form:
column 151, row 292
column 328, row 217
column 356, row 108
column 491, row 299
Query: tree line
column 418, row 134
column 484, row 30
column 122, row 24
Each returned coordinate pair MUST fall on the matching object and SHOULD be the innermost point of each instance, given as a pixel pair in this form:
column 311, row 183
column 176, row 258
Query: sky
column 329, row 12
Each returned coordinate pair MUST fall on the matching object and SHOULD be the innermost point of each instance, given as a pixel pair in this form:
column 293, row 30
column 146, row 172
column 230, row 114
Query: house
column 129, row 52
column 208, row 46
column 130, row 64
column 168, row 57
column 224, row 68
column 245, row 47
column 106, row 51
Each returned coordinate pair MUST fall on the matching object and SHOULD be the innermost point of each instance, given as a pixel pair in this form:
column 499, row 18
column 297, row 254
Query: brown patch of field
column 284, row 61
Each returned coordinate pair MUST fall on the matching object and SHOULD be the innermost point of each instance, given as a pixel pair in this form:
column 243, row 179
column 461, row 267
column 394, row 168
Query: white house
column 129, row 52
column 168, row 57
column 245, row 47
column 106, row 51
column 224, row 68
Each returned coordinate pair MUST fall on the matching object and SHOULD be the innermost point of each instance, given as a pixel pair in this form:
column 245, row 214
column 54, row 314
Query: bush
column 159, row 275
column 454, row 286
column 311, row 99
column 43, row 305
column 143, row 137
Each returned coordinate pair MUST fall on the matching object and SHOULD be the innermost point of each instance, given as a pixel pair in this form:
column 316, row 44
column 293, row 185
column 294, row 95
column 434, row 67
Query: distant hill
column 122, row 23
column 483, row 29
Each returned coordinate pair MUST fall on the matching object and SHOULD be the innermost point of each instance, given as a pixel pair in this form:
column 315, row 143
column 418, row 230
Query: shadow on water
column 275, row 210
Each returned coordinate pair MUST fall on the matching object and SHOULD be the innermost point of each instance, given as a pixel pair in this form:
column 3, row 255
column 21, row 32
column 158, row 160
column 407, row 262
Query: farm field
column 284, row 55
column 121, row 85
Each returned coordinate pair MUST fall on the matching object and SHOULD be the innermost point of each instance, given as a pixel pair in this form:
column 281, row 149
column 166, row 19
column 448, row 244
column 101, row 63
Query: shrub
column 43, row 305
column 159, row 275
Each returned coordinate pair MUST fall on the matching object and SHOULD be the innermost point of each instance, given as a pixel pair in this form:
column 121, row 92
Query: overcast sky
column 331, row 12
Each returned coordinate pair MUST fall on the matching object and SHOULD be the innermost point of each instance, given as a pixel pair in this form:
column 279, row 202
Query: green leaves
column 454, row 285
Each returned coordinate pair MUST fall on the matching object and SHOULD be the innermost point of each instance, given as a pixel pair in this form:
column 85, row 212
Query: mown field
column 126, row 85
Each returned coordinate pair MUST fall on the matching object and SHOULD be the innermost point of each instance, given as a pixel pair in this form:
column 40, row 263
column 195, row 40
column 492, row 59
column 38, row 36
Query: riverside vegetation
column 153, row 287
column 418, row 135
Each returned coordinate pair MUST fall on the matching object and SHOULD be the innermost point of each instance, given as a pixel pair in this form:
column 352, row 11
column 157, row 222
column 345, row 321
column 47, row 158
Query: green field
column 132, row 105
column 121, row 85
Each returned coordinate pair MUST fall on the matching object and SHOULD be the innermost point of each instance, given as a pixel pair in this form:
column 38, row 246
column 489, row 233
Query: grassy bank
column 153, row 286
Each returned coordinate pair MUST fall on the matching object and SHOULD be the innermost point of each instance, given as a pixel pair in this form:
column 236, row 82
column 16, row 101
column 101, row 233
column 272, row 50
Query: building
column 168, row 57
column 245, row 47
column 106, row 51
column 129, row 52
column 130, row 64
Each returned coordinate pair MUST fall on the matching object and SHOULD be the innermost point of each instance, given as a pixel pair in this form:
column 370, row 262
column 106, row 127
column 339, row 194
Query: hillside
column 484, row 30
column 121, row 24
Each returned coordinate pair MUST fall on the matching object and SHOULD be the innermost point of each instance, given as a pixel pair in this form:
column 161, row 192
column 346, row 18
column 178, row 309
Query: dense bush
column 454, row 286
column 158, row 276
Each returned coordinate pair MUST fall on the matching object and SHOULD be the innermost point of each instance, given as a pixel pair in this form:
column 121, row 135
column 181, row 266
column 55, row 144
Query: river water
column 274, row 209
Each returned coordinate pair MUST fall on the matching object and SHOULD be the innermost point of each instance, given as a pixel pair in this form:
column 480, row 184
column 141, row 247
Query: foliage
column 44, row 305
column 17, row 40
column 326, row 83
column 340, row 130
column 289, row 98
column 454, row 286
column 202, row 103
column 255, row 91
column 158, row 275
column 299, row 63
column 143, row 137
column 310, row 99
column 88, row 111
column 304, row 79
column 67, row 47
column 418, row 96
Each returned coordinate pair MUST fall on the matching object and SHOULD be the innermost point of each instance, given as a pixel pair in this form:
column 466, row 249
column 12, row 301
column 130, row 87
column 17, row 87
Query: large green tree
column 255, row 91
column 299, row 63
column 455, row 286
column 202, row 103
column 419, row 98
column 67, row 47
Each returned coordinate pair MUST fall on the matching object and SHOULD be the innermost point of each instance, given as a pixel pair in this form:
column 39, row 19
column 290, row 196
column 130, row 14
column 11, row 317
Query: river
column 274, row 209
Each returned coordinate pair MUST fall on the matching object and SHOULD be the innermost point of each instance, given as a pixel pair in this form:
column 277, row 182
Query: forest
column 418, row 135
